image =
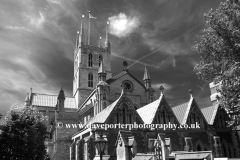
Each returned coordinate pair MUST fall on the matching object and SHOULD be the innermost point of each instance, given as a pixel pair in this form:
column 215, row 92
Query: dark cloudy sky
column 37, row 40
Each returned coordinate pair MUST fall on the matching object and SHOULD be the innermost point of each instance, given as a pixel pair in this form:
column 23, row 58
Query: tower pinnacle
column 81, row 36
column 146, row 74
column 107, row 42
column 146, row 78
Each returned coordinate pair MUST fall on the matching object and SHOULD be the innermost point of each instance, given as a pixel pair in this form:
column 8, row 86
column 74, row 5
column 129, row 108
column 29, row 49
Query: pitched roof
column 210, row 112
column 181, row 111
column 114, row 78
column 142, row 156
column 51, row 100
column 119, row 75
column 102, row 116
column 83, row 110
column 147, row 113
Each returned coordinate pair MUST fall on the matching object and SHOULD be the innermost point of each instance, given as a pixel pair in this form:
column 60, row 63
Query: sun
column 120, row 25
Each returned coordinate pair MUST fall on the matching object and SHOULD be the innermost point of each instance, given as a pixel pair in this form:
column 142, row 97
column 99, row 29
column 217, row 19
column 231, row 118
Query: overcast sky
column 37, row 41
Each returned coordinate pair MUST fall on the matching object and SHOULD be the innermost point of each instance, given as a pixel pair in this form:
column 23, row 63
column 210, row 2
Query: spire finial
column 81, row 31
column 77, row 39
column 125, row 65
column 161, row 88
column 27, row 98
column 107, row 31
column 123, row 89
column 191, row 93
column 146, row 74
column 101, row 68
column 61, row 94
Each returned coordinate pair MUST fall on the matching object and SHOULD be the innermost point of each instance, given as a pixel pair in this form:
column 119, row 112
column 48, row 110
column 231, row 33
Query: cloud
column 18, row 28
column 123, row 26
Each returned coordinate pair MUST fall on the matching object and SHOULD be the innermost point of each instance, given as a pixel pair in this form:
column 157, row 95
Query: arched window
column 104, row 96
column 99, row 108
column 194, row 118
column 152, row 99
column 164, row 117
column 130, row 118
column 90, row 80
column 199, row 148
column 100, row 60
column 104, row 105
column 118, row 118
column 90, row 60
column 159, row 118
column 124, row 116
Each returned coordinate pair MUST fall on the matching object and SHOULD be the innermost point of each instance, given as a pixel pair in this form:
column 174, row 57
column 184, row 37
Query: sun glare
column 120, row 25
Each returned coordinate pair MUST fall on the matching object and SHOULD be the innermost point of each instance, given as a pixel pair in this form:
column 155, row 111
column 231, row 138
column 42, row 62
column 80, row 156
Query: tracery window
column 104, row 96
column 90, row 62
column 104, row 105
column 100, row 60
column 90, row 80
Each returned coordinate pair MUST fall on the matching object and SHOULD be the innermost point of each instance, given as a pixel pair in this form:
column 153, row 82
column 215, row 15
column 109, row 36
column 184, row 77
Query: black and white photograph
column 119, row 79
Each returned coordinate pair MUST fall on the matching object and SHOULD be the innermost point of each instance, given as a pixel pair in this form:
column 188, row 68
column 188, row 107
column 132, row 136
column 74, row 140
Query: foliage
column 0, row 115
column 219, row 47
column 23, row 135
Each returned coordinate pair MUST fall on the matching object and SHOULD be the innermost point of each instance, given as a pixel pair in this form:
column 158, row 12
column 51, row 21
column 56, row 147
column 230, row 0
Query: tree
column 219, row 48
column 0, row 116
column 23, row 135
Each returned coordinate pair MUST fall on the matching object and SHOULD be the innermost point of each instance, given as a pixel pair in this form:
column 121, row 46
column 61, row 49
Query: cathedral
column 102, row 98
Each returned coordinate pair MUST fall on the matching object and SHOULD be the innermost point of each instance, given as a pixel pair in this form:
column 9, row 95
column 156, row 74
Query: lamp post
column 100, row 144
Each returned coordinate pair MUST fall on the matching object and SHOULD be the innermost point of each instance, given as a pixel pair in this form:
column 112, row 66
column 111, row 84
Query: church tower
column 87, row 60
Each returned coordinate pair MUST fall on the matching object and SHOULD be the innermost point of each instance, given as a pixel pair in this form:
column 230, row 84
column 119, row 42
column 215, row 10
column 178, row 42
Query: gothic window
column 99, row 109
column 130, row 118
column 199, row 148
column 194, row 118
column 127, row 85
column 118, row 118
column 169, row 118
column 96, row 110
column 124, row 116
column 159, row 119
column 104, row 105
column 164, row 117
column 90, row 62
column 152, row 99
column 90, row 80
column 104, row 96
column 100, row 59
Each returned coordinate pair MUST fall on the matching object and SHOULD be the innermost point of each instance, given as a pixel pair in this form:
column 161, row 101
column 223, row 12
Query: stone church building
column 102, row 98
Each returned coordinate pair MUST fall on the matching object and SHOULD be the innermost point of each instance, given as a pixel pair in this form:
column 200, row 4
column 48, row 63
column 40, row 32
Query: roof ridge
column 109, row 106
column 142, row 113
column 180, row 104
column 49, row 95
